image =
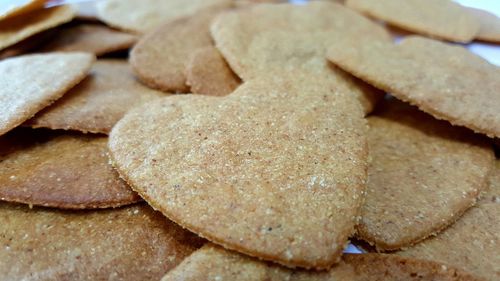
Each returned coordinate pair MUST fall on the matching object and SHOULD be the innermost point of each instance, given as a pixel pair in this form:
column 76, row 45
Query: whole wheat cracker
column 132, row 243
column 292, row 38
column 160, row 58
column 275, row 170
column 141, row 16
column 214, row 263
column 437, row 18
column 209, row 74
column 12, row 8
column 32, row 82
column 490, row 25
column 16, row 29
column 98, row 102
column 471, row 243
column 443, row 80
column 90, row 38
column 422, row 175
column 59, row 170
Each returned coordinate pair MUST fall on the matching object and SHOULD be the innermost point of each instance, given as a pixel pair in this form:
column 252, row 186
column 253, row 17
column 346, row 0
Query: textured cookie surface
column 275, row 170
column 16, row 29
column 90, row 38
column 98, row 102
column 438, row 18
column 30, row 83
column 292, row 38
column 490, row 25
column 60, row 170
column 445, row 81
column 142, row 16
column 214, row 263
column 422, row 175
column 209, row 74
column 160, row 59
column 471, row 243
column 132, row 243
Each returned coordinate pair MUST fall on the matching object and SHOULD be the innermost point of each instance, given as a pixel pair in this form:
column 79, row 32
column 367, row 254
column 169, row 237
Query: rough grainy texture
column 97, row 103
column 133, row 243
column 59, row 170
column 211, row 263
column 445, row 81
column 10, row 8
column 293, row 38
column 30, row 83
column 209, row 74
column 275, row 170
column 473, row 242
column 90, row 38
column 422, row 175
column 16, row 29
column 490, row 25
column 142, row 16
column 438, row 18
column 160, row 58
column 86, row 11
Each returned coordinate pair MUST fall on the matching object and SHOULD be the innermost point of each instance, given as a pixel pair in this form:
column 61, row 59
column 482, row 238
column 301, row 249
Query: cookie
column 472, row 242
column 490, row 25
column 209, row 74
column 292, row 38
column 59, row 170
column 16, row 29
column 132, row 243
column 443, row 80
column 145, row 15
column 12, row 8
column 32, row 82
column 214, row 263
column 420, row 175
column 29, row 44
column 160, row 58
column 276, row 169
column 90, row 38
column 436, row 18
column 98, row 102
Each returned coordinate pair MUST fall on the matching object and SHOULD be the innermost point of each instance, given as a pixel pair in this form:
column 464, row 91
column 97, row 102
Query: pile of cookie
column 243, row 140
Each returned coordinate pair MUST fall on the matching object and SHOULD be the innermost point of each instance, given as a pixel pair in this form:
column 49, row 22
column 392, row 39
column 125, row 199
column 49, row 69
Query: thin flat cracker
column 97, row 103
column 12, row 8
column 490, row 25
column 141, row 16
column 437, row 18
column 60, row 170
column 292, row 38
column 422, row 175
column 471, row 243
column 445, row 81
column 276, row 169
column 16, row 29
column 214, row 263
column 29, row 44
column 209, row 74
column 90, row 38
column 160, row 58
column 133, row 243
column 30, row 83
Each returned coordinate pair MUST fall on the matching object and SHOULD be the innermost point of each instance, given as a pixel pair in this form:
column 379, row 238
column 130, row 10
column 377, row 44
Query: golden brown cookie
column 12, row 8
column 471, row 243
column 214, row 263
column 59, row 170
column 490, row 25
column 30, row 83
column 209, row 74
column 442, row 19
column 290, row 37
column 98, row 102
column 420, row 175
column 276, row 169
column 16, row 29
column 141, row 16
column 446, row 81
column 29, row 44
column 90, row 38
column 160, row 58
column 132, row 243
